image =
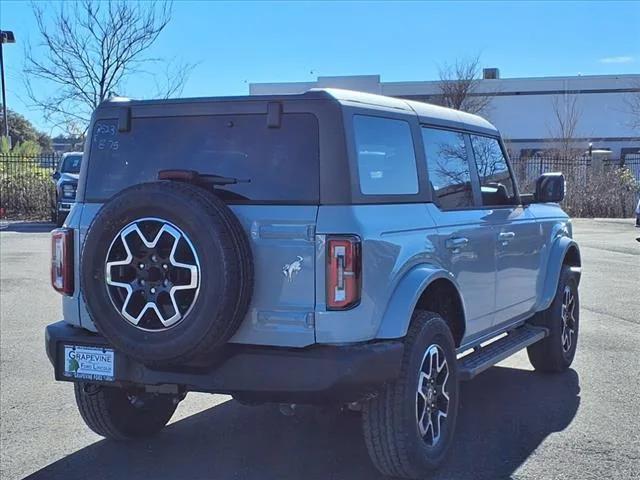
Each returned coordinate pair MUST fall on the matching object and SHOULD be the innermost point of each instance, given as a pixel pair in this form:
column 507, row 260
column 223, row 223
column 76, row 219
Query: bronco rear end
column 192, row 261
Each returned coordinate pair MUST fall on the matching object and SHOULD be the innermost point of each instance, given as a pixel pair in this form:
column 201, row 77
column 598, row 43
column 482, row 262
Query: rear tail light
column 62, row 260
column 344, row 268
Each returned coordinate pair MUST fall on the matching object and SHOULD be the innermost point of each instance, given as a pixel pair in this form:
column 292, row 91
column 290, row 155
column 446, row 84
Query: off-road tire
column 111, row 413
column 226, row 273
column 389, row 420
column 245, row 290
column 548, row 355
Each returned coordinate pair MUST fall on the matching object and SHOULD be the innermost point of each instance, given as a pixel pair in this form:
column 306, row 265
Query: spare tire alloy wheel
column 152, row 274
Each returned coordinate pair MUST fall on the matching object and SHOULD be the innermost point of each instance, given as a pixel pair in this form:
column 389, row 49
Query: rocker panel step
column 477, row 362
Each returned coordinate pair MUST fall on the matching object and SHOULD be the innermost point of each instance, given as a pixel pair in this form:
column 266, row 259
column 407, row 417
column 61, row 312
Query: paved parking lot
column 513, row 422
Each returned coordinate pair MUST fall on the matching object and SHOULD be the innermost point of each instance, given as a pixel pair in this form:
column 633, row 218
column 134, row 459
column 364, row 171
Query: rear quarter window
column 280, row 164
column 385, row 155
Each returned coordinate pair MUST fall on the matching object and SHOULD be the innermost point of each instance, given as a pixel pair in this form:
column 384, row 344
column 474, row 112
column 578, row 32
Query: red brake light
column 62, row 260
column 343, row 272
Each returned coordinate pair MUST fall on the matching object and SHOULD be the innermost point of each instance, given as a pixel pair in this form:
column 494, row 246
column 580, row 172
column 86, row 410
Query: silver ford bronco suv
column 331, row 247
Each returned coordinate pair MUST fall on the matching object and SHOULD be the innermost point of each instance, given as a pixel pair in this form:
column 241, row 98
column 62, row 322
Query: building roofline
column 566, row 77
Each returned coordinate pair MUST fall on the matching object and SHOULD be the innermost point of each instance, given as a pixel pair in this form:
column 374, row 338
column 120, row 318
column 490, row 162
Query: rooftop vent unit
column 490, row 73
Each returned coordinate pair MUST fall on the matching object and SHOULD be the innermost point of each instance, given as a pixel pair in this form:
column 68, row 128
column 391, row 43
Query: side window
column 386, row 158
column 448, row 167
column 496, row 183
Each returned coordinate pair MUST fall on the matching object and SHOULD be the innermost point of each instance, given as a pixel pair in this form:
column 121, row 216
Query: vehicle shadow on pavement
column 505, row 414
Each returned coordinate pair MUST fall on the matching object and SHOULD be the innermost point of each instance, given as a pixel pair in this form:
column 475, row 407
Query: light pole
column 5, row 37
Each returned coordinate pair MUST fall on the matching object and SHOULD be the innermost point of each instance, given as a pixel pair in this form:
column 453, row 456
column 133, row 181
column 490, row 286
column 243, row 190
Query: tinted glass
column 272, row 164
column 71, row 164
column 386, row 158
column 448, row 167
column 496, row 183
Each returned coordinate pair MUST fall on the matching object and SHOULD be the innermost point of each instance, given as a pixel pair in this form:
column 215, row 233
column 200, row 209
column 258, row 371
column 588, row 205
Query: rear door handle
column 456, row 243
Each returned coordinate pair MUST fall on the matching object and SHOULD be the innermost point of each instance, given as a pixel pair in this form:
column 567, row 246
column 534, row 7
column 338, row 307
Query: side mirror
column 550, row 187
column 55, row 175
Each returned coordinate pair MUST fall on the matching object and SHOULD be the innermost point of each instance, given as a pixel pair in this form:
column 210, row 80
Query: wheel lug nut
column 141, row 266
column 154, row 258
column 153, row 290
column 142, row 282
column 165, row 266
column 166, row 283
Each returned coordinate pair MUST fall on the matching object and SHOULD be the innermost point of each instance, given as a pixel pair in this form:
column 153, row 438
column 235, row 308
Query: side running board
column 485, row 357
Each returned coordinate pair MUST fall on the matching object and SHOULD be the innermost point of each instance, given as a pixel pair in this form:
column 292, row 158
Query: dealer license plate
column 89, row 363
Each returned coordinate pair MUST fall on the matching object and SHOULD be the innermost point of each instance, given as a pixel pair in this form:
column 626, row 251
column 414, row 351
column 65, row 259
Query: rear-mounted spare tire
column 167, row 272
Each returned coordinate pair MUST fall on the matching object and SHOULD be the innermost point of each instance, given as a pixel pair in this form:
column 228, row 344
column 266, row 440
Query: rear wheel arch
column 424, row 287
column 442, row 297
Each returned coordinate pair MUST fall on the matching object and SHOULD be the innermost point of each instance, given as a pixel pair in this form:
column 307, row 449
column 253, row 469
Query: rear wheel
column 409, row 426
column 556, row 352
column 120, row 414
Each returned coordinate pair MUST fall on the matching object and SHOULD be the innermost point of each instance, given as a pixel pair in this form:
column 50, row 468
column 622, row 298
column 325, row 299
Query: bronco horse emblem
column 291, row 269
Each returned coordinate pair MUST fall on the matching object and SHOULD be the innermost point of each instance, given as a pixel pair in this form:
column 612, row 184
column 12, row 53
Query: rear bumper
column 318, row 374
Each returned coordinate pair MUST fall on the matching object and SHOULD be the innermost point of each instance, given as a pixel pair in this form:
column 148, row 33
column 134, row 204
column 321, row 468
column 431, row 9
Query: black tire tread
column 384, row 436
column 245, row 261
column 546, row 355
column 98, row 411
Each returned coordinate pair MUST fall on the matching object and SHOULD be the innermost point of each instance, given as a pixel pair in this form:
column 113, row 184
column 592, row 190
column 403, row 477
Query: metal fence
column 27, row 190
column 603, row 188
column 575, row 169
column 595, row 187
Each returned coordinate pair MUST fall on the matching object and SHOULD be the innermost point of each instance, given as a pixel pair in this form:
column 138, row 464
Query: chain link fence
column 595, row 188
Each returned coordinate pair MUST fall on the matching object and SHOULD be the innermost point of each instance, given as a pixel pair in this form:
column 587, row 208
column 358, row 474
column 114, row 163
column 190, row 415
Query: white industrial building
column 522, row 108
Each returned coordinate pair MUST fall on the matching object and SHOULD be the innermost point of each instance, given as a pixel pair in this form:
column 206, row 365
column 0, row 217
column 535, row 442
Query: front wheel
column 120, row 414
column 409, row 426
column 556, row 352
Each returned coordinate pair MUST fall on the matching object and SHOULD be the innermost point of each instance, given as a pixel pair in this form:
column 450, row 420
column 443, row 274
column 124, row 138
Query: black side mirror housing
column 55, row 175
column 550, row 188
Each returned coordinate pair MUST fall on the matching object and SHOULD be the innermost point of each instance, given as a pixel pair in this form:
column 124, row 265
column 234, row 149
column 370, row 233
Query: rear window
column 71, row 164
column 273, row 164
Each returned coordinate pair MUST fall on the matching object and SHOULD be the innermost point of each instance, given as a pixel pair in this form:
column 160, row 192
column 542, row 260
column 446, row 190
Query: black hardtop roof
column 308, row 95
column 426, row 112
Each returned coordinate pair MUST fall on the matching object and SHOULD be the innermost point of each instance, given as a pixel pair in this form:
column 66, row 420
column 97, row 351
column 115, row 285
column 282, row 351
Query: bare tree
column 459, row 86
column 88, row 49
column 566, row 116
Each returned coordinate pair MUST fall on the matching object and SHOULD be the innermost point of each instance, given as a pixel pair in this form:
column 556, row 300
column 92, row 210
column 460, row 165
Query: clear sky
column 237, row 43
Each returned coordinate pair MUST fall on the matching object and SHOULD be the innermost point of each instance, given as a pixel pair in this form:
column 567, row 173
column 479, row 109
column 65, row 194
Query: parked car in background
column 66, row 178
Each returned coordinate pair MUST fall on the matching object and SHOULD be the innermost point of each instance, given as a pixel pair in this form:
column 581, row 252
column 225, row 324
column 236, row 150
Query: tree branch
column 89, row 48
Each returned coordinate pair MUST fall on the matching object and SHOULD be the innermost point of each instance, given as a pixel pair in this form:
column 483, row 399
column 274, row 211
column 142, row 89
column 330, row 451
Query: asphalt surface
column 513, row 423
